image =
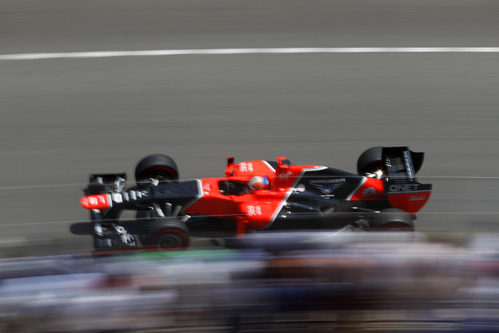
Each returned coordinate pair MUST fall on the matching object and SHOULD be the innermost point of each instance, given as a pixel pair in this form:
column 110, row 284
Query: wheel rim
column 160, row 174
column 169, row 240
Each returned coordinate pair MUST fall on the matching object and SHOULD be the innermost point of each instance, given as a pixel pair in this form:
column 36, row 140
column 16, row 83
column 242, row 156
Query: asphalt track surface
column 61, row 119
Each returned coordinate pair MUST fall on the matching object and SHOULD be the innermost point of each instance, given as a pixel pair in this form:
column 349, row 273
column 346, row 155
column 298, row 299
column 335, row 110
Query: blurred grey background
column 62, row 119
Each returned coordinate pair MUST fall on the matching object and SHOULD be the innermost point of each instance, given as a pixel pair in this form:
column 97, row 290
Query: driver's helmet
column 259, row 183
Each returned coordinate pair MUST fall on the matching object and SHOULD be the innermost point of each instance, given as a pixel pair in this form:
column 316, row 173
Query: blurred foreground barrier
column 311, row 281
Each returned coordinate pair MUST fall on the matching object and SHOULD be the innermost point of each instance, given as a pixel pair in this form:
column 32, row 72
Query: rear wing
column 403, row 190
column 401, row 163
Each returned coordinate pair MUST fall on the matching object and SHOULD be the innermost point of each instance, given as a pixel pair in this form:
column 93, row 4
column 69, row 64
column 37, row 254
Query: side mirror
column 229, row 170
column 283, row 163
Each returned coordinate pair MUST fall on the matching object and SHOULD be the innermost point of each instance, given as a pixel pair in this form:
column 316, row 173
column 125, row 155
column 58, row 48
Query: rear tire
column 391, row 219
column 370, row 161
column 396, row 227
column 157, row 166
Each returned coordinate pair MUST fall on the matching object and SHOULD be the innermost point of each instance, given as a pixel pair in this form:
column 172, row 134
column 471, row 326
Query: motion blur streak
column 106, row 54
column 324, row 282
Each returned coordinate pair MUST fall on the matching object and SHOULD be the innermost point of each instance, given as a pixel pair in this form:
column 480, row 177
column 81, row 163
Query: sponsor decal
column 141, row 194
column 133, row 195
column 128, row 196
column 96, row 201
column 117, row 197
column 408, row 164
column 369, row 192
column 246, row 167
column 403, row 187
column 417, row 198
column 327, row 186
column 254, row 210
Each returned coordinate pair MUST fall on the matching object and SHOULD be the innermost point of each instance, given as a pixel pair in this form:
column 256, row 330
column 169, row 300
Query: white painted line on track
column 235, row 51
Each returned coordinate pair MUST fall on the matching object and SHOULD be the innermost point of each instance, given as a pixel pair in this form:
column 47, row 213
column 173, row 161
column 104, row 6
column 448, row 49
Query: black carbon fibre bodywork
column 320, row 200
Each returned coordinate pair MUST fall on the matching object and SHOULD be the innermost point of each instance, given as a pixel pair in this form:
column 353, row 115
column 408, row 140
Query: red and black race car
column 254, row 195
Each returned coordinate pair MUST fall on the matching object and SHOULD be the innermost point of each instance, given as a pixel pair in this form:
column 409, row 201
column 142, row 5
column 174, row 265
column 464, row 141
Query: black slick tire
column 168, row 233
column 157, row 166
column 370, row 161
column 391, row 219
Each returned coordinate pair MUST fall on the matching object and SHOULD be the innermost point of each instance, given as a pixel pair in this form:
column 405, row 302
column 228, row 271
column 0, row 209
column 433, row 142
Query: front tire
column 171, row 239
column 169, row 234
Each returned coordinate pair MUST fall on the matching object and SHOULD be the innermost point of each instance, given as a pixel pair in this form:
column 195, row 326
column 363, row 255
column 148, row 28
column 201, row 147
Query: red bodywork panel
column 410, row 202
column 371, row 189
column 409, row 199
column 256, row 209
column 96, row 201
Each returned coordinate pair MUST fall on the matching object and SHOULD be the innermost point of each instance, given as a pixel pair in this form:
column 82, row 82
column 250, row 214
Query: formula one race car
column 254, row 195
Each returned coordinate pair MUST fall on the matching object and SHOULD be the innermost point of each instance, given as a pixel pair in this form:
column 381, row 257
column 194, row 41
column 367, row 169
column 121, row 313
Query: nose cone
column 96, row 201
